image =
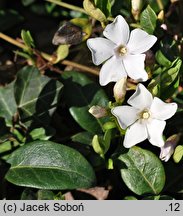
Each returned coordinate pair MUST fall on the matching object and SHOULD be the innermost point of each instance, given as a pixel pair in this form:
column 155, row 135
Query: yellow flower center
column 122, row 50
column 145, row 114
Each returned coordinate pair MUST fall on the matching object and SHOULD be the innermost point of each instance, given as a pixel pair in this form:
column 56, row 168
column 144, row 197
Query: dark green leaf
column 7, row 102
column 162, row 59
column 142, row 171
column 83, row 137
column 48, row 165
column 81, row 94
column 166, row 82
column 28, row 194
column 148, row 20
column 8, row 19
column 36, row 95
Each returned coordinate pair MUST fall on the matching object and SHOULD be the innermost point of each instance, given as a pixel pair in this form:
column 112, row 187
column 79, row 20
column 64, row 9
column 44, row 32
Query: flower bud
column 168, row 149
column 119, row 90
column 161, row 15
column 136, row 8
column 98, row 111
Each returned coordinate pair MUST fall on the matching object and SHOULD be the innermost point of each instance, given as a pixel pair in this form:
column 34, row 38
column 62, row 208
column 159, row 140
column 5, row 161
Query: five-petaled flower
column 145, row 118
column 122, row 50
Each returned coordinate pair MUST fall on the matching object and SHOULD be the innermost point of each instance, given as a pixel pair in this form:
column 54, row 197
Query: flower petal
column 140, row 41
column 161, row 110
column 112, row 71
column 141, row 99
column 118, row 31
column 101, row 48
column 126, row 115
column 155, row 132
column 136, row 133
column 134, row 66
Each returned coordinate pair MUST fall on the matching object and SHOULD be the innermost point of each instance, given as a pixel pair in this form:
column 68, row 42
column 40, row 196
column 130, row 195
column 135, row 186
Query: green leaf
column 8, row 19
column 48, row 165
column 148, row 20
column 80, row 94
column 39, row 133
column 178, row 154
column 142, row 171
column 166, row 82
column 45, row 195
column 162, row 59
column 93, row 11
column 27, row 38
column 83, row 137
column 104, row 6
column 61, row 53
column 7, row 102
column 36, row 95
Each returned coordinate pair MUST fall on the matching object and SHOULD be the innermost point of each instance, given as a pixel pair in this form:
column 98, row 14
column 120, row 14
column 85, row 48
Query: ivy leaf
column 148, row 20
column 8, row 105
column 142, row 171
column 48, row 165
column 36, row 95
column 80, row 94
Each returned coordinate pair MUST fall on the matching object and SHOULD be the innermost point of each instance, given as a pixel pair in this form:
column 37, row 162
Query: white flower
column 168, row 149
column 145, row 118
column 122, row 50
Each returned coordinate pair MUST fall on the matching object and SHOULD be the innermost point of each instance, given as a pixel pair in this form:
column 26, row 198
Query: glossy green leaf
column 48, row 165
column 148, row 20
column 35, row 94
column 80, row 94
column 178, row 154
column 142, row 171
column 8, row 105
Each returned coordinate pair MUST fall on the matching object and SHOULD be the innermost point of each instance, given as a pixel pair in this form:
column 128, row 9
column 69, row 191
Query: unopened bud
column 161, row 15
column 168, row 149
column 136, row 8
column 98, row 111
column 119, row 90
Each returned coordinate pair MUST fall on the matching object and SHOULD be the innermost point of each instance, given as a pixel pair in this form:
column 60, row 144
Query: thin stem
column 12, row 41
column 81, row 67
column 68, row 6
column 50, row 57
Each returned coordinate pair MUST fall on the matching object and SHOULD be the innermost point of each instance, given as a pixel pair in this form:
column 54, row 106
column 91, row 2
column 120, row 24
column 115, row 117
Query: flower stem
column 68, row 6
column 50, row 57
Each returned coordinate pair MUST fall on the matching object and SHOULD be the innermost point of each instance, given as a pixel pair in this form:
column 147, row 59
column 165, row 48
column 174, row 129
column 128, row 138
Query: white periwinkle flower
column 122, row 50
column 145, row 118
